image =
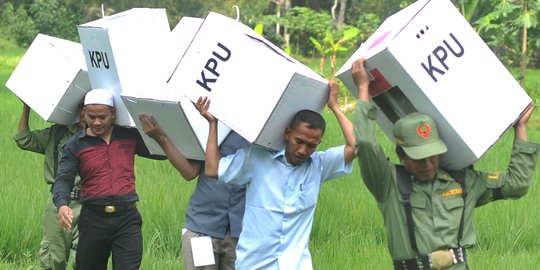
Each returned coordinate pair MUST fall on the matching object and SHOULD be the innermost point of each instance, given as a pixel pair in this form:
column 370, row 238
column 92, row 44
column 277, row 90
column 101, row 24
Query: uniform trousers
column 58, row 245
column 101, row 234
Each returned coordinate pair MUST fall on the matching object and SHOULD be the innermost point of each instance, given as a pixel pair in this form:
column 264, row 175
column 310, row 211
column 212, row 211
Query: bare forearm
column 212, row 152
column 520, row 132
column 347, row 129
column 188, row 168
column 23, row 122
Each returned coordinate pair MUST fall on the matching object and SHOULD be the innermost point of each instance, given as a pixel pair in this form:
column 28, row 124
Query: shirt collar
column 280, row 156
column 444, row 176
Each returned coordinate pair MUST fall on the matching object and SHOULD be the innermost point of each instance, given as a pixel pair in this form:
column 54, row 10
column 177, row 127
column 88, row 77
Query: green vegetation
column 348, row 231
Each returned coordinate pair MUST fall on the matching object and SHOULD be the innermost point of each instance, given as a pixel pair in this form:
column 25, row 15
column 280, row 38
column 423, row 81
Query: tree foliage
column 499, row 22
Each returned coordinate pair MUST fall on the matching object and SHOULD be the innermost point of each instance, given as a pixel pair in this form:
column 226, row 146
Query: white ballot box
column 428, row 58
column 255, row 88
column 127, row 52
column 51, row 78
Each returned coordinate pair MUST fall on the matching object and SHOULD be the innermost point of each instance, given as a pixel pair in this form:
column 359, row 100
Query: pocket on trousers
column 45, row 258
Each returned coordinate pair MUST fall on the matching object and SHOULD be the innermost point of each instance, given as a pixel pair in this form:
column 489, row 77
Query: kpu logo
column 98, row 58
column 212, row 66
column 441, row 54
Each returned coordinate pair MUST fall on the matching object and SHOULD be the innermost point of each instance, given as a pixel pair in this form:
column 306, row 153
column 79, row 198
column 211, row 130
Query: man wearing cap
column 58, row 246
column 103, row 154
column 427, row 210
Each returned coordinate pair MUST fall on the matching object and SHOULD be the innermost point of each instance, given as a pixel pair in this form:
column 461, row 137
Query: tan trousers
column 224, row 252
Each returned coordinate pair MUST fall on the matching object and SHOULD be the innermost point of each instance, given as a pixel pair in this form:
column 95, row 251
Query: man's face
column 301, row 142
column 422, row 169
column 99, row 119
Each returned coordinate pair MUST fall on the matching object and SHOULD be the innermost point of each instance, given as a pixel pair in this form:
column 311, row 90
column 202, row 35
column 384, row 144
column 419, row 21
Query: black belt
column 75, row 194
column 110, row 209
column 458, row 255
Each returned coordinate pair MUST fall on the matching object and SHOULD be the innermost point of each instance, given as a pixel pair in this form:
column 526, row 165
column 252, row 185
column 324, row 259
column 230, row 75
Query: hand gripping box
column 127, row 52
column 51, row 78
column 428, row 58
column 255, row 88
column 177, row 116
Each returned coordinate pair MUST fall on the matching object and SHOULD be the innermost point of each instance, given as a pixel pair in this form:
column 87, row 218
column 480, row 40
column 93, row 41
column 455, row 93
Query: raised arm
column 344, row 122
column 377, row 170
column 520, row 128
column 23, row 122
column 212, row 152
column 188, row 168
column 361, row 79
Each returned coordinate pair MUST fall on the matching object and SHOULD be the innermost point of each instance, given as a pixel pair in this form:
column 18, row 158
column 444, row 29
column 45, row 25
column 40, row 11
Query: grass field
column 348, row 232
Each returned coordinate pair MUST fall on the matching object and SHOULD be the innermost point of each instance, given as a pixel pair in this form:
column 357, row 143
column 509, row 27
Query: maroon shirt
column 106, row 170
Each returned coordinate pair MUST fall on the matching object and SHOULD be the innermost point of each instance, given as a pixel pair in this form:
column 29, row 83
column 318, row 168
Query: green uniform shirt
column 42, row 142
column 437, row 206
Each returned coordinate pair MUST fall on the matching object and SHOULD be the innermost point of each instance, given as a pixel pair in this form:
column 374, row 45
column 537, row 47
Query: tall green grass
column 348, row 231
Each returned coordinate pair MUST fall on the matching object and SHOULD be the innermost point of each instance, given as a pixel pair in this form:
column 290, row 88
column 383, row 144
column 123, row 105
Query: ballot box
column 51, row 78
column 255, row 88
column 126, row 52
column 428, row 58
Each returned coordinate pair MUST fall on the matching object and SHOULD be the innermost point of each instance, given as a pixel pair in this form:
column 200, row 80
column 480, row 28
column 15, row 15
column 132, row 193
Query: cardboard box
column 52, row 79
column 127, row 52
column 177, row 116
column 428, row 58
column 255, row 88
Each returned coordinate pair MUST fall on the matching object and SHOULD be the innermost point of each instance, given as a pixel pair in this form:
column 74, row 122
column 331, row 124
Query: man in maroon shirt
column 103, row 154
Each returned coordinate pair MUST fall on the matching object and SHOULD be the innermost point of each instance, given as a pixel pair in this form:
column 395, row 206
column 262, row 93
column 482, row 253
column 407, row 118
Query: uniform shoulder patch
column 493, row 176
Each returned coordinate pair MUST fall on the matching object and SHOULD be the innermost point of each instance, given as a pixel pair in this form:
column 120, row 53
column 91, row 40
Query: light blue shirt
column 280, row 203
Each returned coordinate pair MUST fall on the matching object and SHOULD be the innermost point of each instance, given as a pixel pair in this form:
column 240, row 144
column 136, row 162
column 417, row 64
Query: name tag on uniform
column 203, row 253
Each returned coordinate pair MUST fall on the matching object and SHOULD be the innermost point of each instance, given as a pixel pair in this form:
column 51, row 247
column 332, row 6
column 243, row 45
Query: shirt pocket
column 448, row 220
column 308, row 195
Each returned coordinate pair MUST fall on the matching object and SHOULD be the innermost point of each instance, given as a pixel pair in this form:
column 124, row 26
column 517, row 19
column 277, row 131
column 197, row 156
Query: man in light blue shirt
column 283, row 186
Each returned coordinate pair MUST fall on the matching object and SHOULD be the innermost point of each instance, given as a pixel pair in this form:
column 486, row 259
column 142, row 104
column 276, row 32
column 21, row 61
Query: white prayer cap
column 99, row 96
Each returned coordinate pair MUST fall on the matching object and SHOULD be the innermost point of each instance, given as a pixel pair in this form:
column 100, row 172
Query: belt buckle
column 109, row 209
column 441, row 259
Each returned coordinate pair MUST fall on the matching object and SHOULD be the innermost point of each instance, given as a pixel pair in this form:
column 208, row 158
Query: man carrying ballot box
column 215, row 210
column 58, row 246
column 282, row 186
column 427, row 210
column 103, row 155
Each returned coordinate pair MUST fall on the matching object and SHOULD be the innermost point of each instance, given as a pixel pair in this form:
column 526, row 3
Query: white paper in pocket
column 203, row 253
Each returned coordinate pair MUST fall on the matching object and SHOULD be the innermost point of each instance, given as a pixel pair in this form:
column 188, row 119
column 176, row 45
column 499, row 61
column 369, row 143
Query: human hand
column 520, row 127
column 333, row 103
column 361, row 78
column 65, row 216
column 202, row 105
column 524, row 119
column 151, row 127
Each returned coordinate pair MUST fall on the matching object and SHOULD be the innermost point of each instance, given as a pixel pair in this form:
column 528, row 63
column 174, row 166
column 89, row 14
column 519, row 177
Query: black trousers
column 101, row 233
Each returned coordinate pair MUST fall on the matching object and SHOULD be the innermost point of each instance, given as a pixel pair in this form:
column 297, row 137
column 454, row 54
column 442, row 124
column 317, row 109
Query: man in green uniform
column 428, row 211
column 58, row 245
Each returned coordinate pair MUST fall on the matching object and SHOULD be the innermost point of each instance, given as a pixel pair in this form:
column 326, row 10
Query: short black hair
column 400, row 152
column 313, row 120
